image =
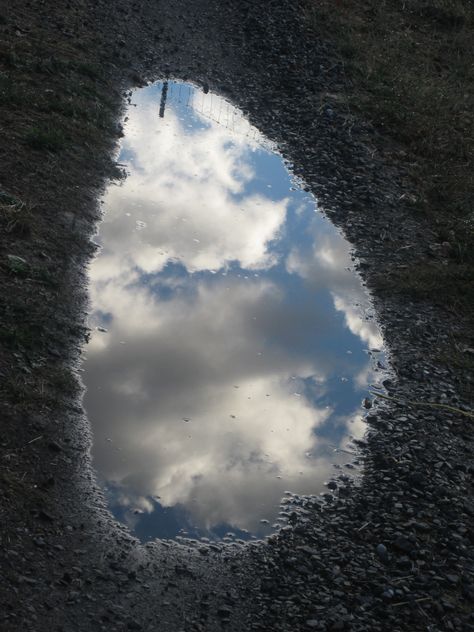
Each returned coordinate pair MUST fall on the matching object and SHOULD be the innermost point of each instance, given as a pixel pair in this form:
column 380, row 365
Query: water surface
column 231, row 340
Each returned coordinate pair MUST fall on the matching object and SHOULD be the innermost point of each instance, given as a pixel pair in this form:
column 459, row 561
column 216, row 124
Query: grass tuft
column 17, row 265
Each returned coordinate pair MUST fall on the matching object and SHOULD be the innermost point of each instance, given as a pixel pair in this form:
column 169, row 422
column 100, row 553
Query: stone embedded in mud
column 382, row 553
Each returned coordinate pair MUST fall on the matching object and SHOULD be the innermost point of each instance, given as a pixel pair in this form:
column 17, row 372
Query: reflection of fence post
column 164, row 92
column 226, row 114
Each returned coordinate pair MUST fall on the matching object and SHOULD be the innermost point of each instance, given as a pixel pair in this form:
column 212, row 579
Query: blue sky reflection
column 235, row 357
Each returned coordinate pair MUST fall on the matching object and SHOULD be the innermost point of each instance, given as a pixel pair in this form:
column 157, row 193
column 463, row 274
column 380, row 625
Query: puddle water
column 231, row 342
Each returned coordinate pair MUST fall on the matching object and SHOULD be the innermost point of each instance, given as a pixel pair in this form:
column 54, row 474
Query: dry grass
column 16, row 216
column 58, row 108
column 410, row 70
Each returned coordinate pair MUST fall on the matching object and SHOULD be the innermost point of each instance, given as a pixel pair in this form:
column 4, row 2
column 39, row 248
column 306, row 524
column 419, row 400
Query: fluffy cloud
column 327, row 264
column 206, row 390
column 209, row 220
column 201, row 358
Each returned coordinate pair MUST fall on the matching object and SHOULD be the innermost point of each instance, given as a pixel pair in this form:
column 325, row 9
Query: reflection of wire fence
column 210, row 107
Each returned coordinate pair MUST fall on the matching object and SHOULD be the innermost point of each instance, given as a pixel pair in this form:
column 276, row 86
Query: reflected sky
column 229, row 352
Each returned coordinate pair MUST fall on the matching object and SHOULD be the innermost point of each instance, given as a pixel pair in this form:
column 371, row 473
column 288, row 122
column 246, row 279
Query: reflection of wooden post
column 164, row 92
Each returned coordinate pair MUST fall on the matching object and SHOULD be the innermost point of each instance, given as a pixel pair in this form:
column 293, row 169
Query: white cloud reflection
column 202, row 358
column 184, row 200
column 328, row 265
column 205, row 391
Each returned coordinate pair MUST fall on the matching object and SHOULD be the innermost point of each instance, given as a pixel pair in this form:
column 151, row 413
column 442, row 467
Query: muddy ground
column 392, row 553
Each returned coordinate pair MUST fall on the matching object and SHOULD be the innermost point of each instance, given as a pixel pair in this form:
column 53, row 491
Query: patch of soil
column 394, row 552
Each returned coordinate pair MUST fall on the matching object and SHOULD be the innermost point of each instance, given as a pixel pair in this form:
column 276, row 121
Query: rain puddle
column 232, row 344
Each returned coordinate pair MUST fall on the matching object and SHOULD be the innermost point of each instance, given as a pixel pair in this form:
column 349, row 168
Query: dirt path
column 394, row 553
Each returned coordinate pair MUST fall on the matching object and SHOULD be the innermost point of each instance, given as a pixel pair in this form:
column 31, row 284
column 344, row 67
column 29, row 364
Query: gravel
column 392, row 551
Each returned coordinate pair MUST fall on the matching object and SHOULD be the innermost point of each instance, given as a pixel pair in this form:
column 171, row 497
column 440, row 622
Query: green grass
column 17, row 265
